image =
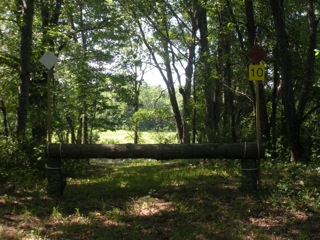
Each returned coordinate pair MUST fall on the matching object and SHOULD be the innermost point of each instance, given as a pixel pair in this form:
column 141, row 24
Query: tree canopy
column 199, row 49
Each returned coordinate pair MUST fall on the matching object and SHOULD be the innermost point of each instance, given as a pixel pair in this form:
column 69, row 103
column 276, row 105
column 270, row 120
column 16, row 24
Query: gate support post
column 250, row 175
column 56, row 181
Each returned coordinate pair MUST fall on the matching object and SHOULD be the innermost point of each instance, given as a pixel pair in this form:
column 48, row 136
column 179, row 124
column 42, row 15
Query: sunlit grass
column 124, row 136
column 119, row 136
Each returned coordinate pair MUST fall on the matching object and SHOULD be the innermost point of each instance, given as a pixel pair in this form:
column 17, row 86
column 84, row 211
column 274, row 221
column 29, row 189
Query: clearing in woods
column 177, row 199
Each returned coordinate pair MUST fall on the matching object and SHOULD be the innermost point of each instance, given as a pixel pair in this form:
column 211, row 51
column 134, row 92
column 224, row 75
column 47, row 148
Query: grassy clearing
column 124, row 136
column 180, row 199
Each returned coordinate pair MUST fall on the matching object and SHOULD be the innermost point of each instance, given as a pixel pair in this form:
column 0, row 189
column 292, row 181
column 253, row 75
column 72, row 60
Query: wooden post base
column 250, row 175
column 56, row 180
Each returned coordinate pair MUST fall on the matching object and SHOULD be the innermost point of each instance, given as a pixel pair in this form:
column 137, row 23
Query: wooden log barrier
column 157, row 151
column 56, row 152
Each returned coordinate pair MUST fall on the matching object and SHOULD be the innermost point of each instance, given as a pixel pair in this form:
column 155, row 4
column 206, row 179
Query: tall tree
column 25, row 8
column 49, row 14
column 293, row 116
column 287, row 91
column 206, row 74
column 186, row 90
column 5, row 117
column 313, row 23
column 225, row 66
column 97, row 31
column 165, row 24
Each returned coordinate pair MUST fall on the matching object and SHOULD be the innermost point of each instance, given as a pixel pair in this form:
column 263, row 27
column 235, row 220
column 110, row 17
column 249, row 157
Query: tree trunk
column 137, row 85
column 25, row 58
column 186, row 91
column 194, row 112
column 174, row 103
column 224, row 66
column 288, row 100
column 274, row 104
column 168, row 79
column 5, row 119
column 229, row 111
column 39, row 104
column 72, row 130
column 251, row 29
column 80, row 129
column 85, row 124
column 41, row 109
column 310, row 64
column 205, row 69
column 83, row 128
column 186, row 94
column 93, row 121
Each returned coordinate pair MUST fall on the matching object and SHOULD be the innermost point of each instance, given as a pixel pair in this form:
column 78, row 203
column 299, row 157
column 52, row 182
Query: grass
column 124, row 136
column 178, row 199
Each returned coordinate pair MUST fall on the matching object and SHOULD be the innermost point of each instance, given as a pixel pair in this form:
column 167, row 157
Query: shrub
column 20, row 160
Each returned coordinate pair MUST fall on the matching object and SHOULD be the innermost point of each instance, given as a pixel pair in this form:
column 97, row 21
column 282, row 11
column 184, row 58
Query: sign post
column 256, row 74
column 48, row 60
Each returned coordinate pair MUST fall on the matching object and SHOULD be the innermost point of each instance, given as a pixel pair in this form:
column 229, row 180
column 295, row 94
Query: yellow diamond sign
column 256, row 72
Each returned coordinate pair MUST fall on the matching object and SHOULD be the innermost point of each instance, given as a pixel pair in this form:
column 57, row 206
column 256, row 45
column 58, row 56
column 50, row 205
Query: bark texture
column 158, row 151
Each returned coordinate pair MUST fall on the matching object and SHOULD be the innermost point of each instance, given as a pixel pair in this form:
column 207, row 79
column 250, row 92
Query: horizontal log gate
column 248, row 152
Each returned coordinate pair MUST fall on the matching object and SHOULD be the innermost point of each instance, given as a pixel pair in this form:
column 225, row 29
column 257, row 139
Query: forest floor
column 178, row 199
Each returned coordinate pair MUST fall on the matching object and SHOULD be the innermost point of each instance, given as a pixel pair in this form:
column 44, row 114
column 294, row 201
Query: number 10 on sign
column 256, row 72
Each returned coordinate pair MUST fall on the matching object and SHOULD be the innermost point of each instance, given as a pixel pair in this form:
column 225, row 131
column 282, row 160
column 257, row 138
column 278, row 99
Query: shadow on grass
column 176, row 212
column 152, row 200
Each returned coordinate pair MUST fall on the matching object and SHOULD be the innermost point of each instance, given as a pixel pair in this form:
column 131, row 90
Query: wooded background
column 105, row 49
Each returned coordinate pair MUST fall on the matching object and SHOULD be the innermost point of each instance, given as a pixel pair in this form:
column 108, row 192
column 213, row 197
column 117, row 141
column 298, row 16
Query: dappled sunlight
column 280, row 220
column 162, row 200
column 267, row 222
column 149, row 206
column 12, row 225
column 105, row 221
column 9, row 232
column 293, row 224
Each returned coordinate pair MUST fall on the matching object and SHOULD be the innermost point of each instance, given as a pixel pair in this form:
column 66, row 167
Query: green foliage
column 75, row 168
column 294, row 185
column 98, row 82
column 157, row 119
column 162, row 137
column 102, row 61
column 22, row 164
